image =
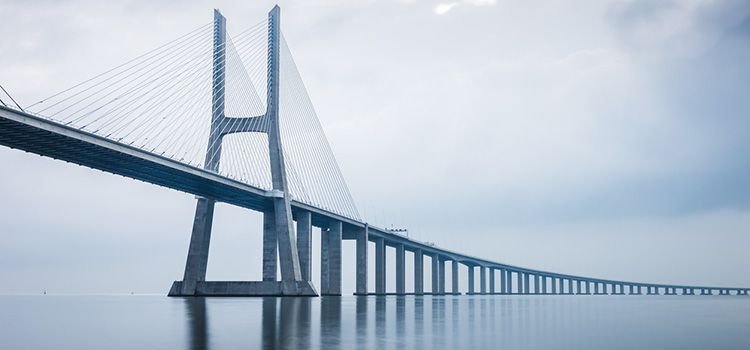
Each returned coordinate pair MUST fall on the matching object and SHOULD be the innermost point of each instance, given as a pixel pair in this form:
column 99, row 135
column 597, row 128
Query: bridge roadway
column 44, row 137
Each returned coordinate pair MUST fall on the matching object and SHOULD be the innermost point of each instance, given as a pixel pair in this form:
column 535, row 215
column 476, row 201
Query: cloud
column 442, row 9
column 480, row 2
column 675, row 28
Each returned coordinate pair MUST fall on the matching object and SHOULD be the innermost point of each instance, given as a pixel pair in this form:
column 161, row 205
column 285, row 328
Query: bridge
column 227, row 118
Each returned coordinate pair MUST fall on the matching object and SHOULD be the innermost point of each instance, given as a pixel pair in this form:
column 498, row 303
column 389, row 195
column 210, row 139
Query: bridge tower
column 279, row 240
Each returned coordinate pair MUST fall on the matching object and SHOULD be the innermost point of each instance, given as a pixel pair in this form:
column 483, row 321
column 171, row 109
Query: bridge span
column 34, row 134
column 289, row 203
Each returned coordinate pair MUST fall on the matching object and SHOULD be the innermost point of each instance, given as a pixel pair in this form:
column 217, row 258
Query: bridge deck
column 41, row 136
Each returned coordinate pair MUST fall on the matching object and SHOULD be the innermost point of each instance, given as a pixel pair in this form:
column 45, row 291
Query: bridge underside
column 35, row 135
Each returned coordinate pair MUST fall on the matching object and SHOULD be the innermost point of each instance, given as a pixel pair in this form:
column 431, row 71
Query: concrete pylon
column 200, row 239
column 278, row 236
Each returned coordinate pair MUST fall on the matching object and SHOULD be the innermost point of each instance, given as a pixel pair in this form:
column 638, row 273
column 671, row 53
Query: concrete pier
column 471, row 279
column 492, row 280
column 380, row 266
column 362, row 239
column 526, row 283
column 324, row 270
column 197, row 259
column 503, row 281
column 483, row 280
column 418, row 272
column 334, row 258
column 435, row 274
column 454, row 277
column 400, row 269
column 304, row 244
column 519, row 287
column 441, row 275
column 270, row 246
column 246, row 289
column 508, row 282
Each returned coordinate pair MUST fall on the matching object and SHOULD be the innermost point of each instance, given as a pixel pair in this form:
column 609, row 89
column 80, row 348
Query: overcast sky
column 603, row 138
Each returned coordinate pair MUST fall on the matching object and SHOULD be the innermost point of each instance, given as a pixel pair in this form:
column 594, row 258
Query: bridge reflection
column 442, row 322
column 352, row 322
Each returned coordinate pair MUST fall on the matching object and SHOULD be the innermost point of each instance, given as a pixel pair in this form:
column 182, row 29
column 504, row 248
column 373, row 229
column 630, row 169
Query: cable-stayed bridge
column 226, row 117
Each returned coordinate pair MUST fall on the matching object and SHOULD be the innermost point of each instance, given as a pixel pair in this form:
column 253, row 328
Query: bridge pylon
column 279, row 239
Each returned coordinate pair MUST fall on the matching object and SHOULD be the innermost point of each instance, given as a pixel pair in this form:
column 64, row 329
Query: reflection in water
column 330, row 322
column 450, row 322
column 441, row 322
column 400, row 321
column 361, row 322
column 196, row 314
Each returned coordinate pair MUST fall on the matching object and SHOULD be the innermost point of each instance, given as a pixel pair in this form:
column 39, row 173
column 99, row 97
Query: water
column 450, row 322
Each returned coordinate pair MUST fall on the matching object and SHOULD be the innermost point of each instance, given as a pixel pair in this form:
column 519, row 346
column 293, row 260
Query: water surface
column 449, row 322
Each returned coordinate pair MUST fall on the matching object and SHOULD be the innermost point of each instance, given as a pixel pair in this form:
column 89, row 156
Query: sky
column 600, row 138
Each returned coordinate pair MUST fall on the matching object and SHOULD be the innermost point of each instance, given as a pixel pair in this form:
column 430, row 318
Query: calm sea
column 450, row 322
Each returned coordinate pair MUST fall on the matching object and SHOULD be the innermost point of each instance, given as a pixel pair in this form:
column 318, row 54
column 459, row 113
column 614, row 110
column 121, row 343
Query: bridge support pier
column 454, row 278
column 279, row 239
column 330, row 267
column 304, row 244
column 519, row 279
column 270, row 246
column 471, row 279
column 435, row 274
column 380, row 266
column 441, row 275
column 362, row 239
column 526, row 284
column 492, row 280
column 503, row 281
column 400, row 270
column 598, row 291
column 197, row 259
column 482, row 280
column 418, row 272
column 509, row 281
